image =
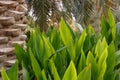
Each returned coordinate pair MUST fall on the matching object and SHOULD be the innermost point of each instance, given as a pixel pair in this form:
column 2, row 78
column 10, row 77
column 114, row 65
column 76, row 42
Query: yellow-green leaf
column 102, row 64
column 43, row 75
column 79, row 44
column 67, row 38
column 65, row 33
column 4, row 75
column 112, row 24
column 70, row 73
column 98, row 49
column 85, row 74
column 36, row 67
column 104, row 43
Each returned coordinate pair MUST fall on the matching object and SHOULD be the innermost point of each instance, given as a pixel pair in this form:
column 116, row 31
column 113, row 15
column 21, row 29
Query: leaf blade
column 70, row 73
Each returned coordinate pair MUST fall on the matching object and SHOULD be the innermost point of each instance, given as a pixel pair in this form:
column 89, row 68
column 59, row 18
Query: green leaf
column 85, row 74
column 70, row 73
column 65, row 33
column 112, row 24
column 43, row 75
column 79, row 44
column 90, row 30
column 25, row 72
column 98, row 49
column 82, row 62
column 13, row 72
column 67, row 38
column 22, row 55
column 102, row 64
column 104, row 43
column 54, row 71
column 35, row 66
column 4, row 75
column 109, row 75
column 105, row 26
column 94, row 69
column 55, row 39
column 62, row 59
column 89, row 40
column 50, row 50
column 38, row 47
column 111, row 19
column 106, row 30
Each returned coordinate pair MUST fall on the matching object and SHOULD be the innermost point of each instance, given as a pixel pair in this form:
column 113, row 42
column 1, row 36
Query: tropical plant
column 47, row 12
column 63, row 54
column 54, row 9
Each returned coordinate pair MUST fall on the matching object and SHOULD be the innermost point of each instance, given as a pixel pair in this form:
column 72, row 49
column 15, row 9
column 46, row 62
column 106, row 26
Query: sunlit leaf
column 112, row 24
column 44, row 75
column 4, row 75
column 67, row 38
column 102, row 64
column 98, row 49
column 104, row 43
column 79, row 44
column 36, row 67
column 70, row 73
column 85, row 74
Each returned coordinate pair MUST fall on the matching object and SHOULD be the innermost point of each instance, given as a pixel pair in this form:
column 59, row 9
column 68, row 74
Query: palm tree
column 50, row 11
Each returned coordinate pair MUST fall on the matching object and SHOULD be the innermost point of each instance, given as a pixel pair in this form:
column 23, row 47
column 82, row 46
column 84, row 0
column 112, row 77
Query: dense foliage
column 48, row 12
column 64, row 54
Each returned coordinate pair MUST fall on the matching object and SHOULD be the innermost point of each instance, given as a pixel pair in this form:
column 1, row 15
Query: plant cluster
column 63, row 54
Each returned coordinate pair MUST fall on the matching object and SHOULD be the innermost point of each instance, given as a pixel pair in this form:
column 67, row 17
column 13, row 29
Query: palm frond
column 47, row 11
column 81, row 9
column 41, row 12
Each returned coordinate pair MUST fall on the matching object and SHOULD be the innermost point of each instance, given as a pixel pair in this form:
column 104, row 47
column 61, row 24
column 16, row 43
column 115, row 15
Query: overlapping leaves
column 69, row 59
